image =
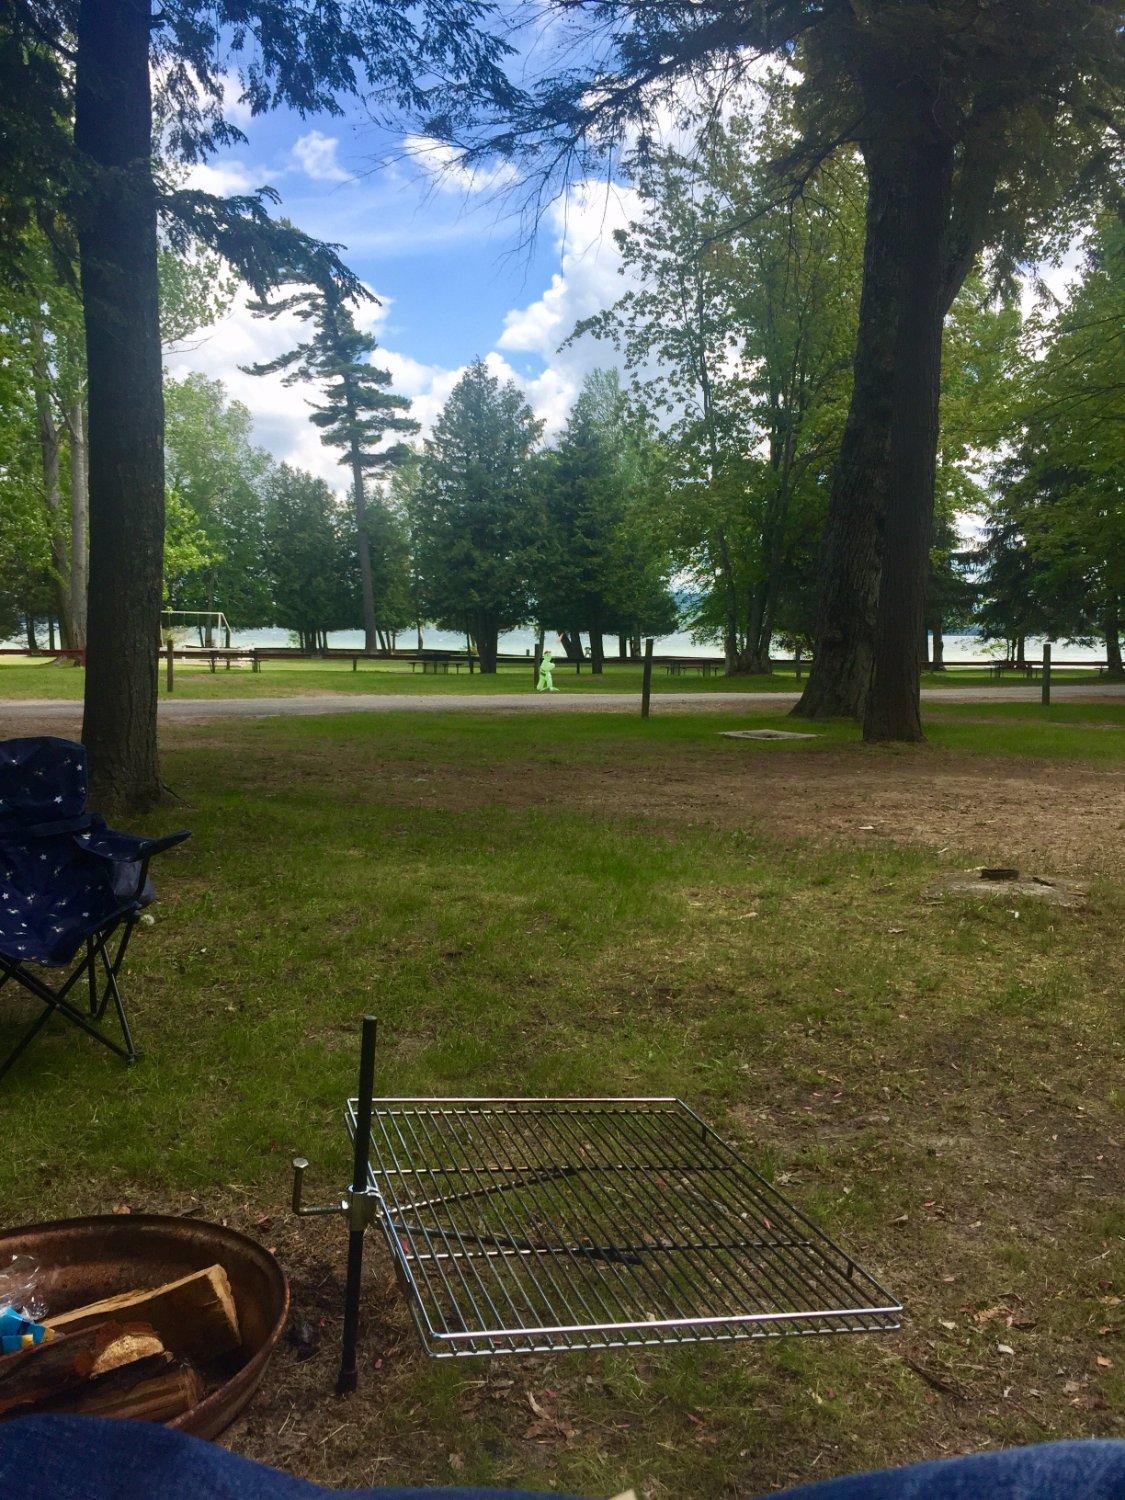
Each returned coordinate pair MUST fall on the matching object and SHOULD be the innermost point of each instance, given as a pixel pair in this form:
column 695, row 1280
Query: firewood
column 195, row 1317
column 70, row 1359
column 136, row 1341
column 160, row 1398
column 115, row 1382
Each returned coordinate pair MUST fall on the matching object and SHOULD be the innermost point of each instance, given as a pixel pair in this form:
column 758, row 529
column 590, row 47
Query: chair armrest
column 128, row 848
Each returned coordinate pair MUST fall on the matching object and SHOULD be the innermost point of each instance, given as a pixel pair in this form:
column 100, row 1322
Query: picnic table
column 675, row 666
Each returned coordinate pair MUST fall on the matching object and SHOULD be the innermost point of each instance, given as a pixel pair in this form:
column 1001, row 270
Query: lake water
column 522, row 642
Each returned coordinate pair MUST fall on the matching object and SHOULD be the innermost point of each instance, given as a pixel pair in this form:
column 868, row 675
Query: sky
column 445, row 252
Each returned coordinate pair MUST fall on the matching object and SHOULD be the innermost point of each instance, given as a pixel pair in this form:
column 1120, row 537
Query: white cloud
column 589, row 279
column 222, row 178
column 315, row 154
column 235, row 109
column 280, row 412
column 446, row 167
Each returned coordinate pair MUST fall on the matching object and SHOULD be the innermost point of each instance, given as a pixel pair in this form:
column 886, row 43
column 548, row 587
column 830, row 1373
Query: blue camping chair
column 70, row 889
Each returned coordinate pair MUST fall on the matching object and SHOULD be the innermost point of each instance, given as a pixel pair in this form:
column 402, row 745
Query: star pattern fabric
column 64, row 875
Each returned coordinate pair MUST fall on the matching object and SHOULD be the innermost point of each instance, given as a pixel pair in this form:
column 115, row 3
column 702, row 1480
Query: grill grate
column 530, row 1226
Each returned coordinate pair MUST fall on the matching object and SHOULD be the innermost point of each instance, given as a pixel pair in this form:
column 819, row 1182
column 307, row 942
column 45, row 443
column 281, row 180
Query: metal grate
column 538, row 1225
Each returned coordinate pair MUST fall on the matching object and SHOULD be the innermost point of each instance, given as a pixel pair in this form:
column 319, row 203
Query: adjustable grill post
column 357, row 1206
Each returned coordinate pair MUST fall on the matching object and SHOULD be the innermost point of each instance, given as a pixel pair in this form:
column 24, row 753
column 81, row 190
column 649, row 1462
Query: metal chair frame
column 54, row 1000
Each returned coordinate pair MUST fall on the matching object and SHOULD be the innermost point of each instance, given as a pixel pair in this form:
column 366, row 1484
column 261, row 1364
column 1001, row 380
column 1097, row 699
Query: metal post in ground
column 1046, row 693
column 357, row 1227
column 646, row 678
column 171, row 666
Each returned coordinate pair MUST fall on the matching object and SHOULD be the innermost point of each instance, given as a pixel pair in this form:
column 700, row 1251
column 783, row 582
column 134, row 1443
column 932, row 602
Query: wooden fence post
column 171, row 660
column 646, row 678
column 1046, row 693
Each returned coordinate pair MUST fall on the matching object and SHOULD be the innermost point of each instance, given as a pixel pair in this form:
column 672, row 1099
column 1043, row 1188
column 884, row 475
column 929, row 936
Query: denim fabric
column 85, row 1458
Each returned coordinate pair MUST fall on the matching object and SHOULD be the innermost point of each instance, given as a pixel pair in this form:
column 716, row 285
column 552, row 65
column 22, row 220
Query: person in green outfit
column 546, row 683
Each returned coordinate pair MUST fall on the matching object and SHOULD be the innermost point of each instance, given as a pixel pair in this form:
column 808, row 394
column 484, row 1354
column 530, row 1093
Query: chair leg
column 28, row 1037
column 55, row 1000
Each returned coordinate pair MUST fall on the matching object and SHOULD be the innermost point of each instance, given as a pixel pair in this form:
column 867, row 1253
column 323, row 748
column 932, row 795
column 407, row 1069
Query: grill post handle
column 346, row 1380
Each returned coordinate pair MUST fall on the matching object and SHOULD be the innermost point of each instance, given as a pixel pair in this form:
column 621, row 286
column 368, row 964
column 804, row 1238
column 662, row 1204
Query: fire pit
column 87, row 1260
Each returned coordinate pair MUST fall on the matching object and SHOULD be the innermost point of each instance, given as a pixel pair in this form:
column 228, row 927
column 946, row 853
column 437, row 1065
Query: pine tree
column 358, row 413
column 474, row 522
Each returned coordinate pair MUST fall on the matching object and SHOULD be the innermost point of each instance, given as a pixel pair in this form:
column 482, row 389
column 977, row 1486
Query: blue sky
column 445, row 251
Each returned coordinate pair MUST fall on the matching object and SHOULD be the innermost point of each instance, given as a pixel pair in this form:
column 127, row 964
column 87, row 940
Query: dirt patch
column 1046, row 818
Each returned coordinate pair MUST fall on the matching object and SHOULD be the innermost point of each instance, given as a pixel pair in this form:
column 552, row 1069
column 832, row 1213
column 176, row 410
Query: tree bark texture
column 1113, row 640
column 486, row 633
column 363, row 543
column 79, row 521
column 116, row 215
column 844, row 630
column 937, row 662
column 893, row 710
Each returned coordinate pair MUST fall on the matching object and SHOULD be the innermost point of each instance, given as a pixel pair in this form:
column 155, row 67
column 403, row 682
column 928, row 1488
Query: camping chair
column 69, row 888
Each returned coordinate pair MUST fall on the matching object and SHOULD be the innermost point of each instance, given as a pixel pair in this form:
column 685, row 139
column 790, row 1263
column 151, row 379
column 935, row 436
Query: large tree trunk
column 893, row 710
column 120, row 297
column 572, row 645
column 79, row 521
column 937, row 663
column 487, row 634
column 843, row 634
column 1113, row 640
column 363, row 543
column 597, row 652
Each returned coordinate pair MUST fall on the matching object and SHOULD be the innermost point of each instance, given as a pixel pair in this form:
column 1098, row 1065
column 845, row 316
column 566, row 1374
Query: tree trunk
column 893, row 710
column 79, row 522
column 597, row 653
column 1021, row 651
column 50, row 446
column 1113, row 640
column 843, row 635
column 363, row 544
column 572, row 645
column 120, row 295
column 937, row 663
column 622, row 648
column 487, row 635
column 32, row 643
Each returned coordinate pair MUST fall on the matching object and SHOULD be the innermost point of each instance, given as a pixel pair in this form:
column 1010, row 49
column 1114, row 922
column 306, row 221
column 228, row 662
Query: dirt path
column 50, row 715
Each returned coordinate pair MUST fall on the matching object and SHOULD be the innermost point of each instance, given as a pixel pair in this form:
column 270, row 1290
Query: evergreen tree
column 982, row 127
column 112, row 67
column 596, row 572
column 358, row 413
column 475, row 526
column 310, row 556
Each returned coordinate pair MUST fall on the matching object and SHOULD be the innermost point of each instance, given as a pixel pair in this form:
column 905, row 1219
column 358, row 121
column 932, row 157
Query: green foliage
column 358, row 413
column 737, row 339
column 476, row 536
column 216, row 471
column 310, row 555
column 1054, row 552
column 601, row 567
column 359, row 409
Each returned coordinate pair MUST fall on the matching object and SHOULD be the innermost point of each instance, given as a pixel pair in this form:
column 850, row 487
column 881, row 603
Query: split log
column 70, row 1360
column 195, row 1316
column 160, row 1398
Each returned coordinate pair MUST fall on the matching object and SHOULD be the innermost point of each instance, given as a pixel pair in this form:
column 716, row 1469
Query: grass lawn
column 593, row 905
column 34, row 678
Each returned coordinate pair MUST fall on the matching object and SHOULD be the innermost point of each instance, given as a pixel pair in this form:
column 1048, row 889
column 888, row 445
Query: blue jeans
column 85, row 1458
